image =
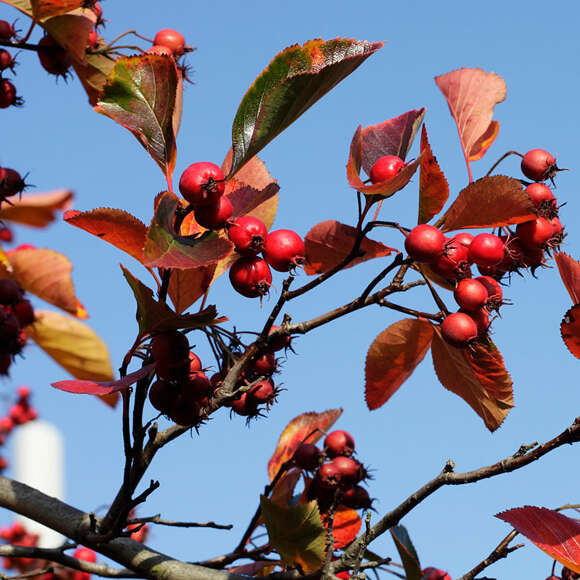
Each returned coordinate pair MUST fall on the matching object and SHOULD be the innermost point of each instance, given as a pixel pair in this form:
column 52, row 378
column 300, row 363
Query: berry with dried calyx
column 248, row 234
column 6, row 60
column 535, row 233
column 171, row 39
column 542, row 199
column 7, row 31
column 8, row 96
column 170, row 349
column 453, row 264
column 339, row 443
column 162, row 395
column 385, row 168
column 214, row 216
column 284, row 250
column 357, row 498
column 425, row 243
column 93, row 40
column 328, row 476
column 251, row 277
column 470, row 294
column 308, row 456
column 539, row 165
column 202, row 183
column 351, row 471
column 53, row 57
column 486, row 250
column 459, row 329
column 11, row 182
column 264, row 364
column 280, row 341
column 262, row 393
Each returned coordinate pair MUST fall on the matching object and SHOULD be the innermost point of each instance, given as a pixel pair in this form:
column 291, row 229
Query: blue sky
column 219, row 474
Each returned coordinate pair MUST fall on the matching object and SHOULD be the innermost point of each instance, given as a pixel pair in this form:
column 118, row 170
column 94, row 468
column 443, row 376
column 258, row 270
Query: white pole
column 39, row 462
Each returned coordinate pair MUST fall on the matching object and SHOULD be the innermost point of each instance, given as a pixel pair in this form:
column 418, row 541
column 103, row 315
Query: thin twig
column 156, row 519
column 507, row 154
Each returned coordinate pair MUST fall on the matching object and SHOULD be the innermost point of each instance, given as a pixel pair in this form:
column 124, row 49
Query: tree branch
column 156, row 519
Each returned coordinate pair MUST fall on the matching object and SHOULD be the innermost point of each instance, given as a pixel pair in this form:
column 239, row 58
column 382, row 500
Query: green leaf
column 141, row 96
column 294, row 80
column 155, row 316
column 166, row 250
column 296, row 533
column 407, row 551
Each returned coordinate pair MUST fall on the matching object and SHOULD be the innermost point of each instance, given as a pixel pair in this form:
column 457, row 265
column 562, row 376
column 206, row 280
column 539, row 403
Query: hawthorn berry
column 214, row 216
column 435, row 574
column 464, row 238
column 263, row 392
column 248, row 234
column 541, row 196
column 8, row 96
column 280, row 342
column 10, row 292
column 244, row 406
column 202, row 183
column 339, row 443
column 264, row 364
column 11, row 183
column 470, row 294
column 6, row 60
column 7, row 31
column 385, row 168
column 350, row 470
column 308, row 456
column 494, row 290
column 486, row 250
column 356, row 498
column 425, row 243
column 284, row 250
column 481, row 319
column 454, row 262
column 251, row 277
column 328, row 476
column 6, row 234
column 160, row 50
column 535, row 233
column 539, row 165
column 195, row 388
column 459, row 329
column 170, row 349
column 53, row 57
column 93, row 39
column 162, row 395
column 185, row 414
column 171, row 39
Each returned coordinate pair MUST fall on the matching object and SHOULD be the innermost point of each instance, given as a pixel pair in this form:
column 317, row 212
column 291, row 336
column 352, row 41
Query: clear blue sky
column 219, row 475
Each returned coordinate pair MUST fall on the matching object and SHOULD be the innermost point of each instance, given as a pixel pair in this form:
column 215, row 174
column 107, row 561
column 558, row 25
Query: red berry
column 494, row 290
column 6, row 60
column 163, row 395
column 435, row 574
column 202, row 183
column 93, row 39
column 486, row 250
column 264, row 364
column 386, row 168
column 540, row 195
column 470, row 294
column 263, row 392
column 459, row 329
column 171, row 39
column 535, row 233
column 23, row 392
column 357, row 498
column 284, row 250
column 454, row 262
column 308, row 456
column 160, row 50
column 328, row 476
column 343, row 575
column 339, row 443
column 170, row 348
column 6, row 30
column 11, row 183
column 282, row 341
column 24, row 312
column 464, row 238
column 244, row 406
column 557, row 227
column 248, row 234
column 10, row 292
column 350, row 470
column 185, row 414
column 8, row 95
column 53, row 57
column 481, row 319
column 251, row 277
column 214, row 216
column 6, row 234
column 425, row 243
column 538, row 165
column 195, row 388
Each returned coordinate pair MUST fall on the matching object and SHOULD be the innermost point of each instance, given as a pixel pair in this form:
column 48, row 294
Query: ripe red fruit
column 6, row 30
column 53, row 57
column 195, row 388
column 170, row 348
column 264, row 364
column 10, row 292
column 425, row 243
column 494, row 290
column 453, row 263
column 6, row 234
column 162, row 395
column 8, row 95
column 535, row 233
column 540, row 195
column 486, row 250
column 263, row 392
column 214, row 216
column 343, row 575
column 308, row 456
column 11, row 183
column 350, row 470
column 464, row 238
column 282, row 341
column 171, row 39
column 459, row 329
column 202, row 183
column 435, row 574
column 328, row 476
column 244, row 406
column 357, row 498
column 184, row 414
column 538, row 165
column 284, row 250
column 6, row 60
column 93, row 39
column 339, row 443
column 481, row 319
column 557, row 227
column 251, row 277
column 386, row 168
column 470, row 294
column 160, row 50
column 248, row 235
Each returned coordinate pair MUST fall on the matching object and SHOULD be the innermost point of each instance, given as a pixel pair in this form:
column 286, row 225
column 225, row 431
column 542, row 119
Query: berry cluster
column 8, row 95
column 496, row 256
column 336, row 474
column 202, row 184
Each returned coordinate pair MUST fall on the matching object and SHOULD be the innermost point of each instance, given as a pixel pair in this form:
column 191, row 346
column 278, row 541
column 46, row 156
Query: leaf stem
column 507, row 154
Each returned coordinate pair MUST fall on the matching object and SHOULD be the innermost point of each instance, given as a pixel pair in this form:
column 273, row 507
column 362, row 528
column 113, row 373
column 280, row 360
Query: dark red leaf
column 329, row 242
column 406, row 549
column 392, row 358
column 570, row 330
column 433, row 187
column 259, row 204
column 570, row 273
column 554, row 533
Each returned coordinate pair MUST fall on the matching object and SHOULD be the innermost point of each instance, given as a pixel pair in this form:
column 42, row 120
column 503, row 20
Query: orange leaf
column 295, row 433
column 478, row 375
column 433, row 187
column 284, row 490
column 570, row 330
column 72, row 31
column 36, row 210
column 186, row 286
column 346, row 526
column 115, row 226
column 392, row 358
column 329, row 242
column 43, row 9
column 472, row 94
column 554, row 533
column 570, row 273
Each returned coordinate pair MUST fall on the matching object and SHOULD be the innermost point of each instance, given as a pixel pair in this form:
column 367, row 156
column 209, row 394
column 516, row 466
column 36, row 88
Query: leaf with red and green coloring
column 569, row 269
column 382, row 189
column 166, row 250
column 489, row 202
column 471, row 95
column 346, row 526
column 94, row 75
column 296, row 533
column 294, row 80
column 253, row 172
column 570, row 330
column 329, row 242
column 154, row 316
column 407, row 552
column 46, row 274
column 115, row 226
column 433, row 187
column 140, row 95
column 72, row 31
column 37, row 209
column 392, row 137
column 392, row 358
column 187, row 286
column 259, row 204
column 476, row 374
column 311, row 425
column 106, row 387
column 283, row 492
column 554, row 533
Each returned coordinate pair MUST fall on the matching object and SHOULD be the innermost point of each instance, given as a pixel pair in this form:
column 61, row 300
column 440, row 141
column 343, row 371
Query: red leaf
column 115, row 226
column 570, row 330
column 36, row 210
column 472, row 95
column 329, row 242
column 72, row 31
column 186, row 286
column 261, row 204
column 296, row 431
column 433, row 187
column 554, row 533
column 284, row 490
column 478, row 375
column 104, row 388
column 253, row 173
column 43, row 9
column 392, row 358
column 570, row 273
column 489, row 202
column 94, row 74
column 346, row 526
